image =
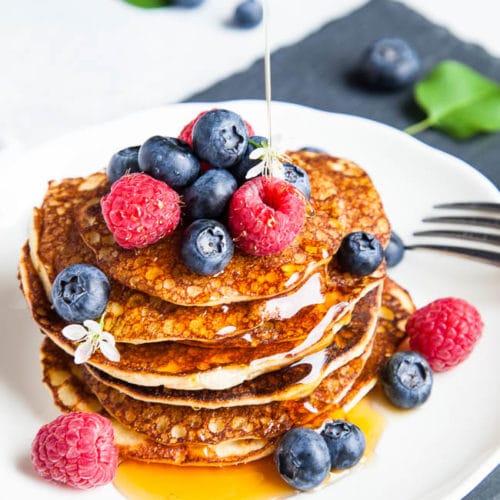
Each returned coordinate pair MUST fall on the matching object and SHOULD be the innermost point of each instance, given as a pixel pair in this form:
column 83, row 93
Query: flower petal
column 257, row 153
column 107, row 337
column 255, row 171
column 108, row 349
column 83, row 352
column 74, row 332
column 92, row 326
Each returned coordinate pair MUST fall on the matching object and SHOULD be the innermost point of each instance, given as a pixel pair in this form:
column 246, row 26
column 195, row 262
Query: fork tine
column 471, row 221
column 480, row 255
column 474, row 205
column 494, row 239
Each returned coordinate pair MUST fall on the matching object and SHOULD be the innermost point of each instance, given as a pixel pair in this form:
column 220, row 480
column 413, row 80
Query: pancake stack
column 213, row 370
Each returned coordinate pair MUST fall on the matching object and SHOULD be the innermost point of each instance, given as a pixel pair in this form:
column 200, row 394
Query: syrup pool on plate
column 257, row 480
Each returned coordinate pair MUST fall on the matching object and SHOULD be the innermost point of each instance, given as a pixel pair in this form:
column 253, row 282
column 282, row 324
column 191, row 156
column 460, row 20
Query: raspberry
column 444, row 332
column 186, row 134
column 140, row 210
column 76, row 449
column 265, row 215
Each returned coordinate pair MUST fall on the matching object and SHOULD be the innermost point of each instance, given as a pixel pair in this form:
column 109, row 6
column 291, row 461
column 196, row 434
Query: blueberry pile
column 304, row 457
column 206, row 175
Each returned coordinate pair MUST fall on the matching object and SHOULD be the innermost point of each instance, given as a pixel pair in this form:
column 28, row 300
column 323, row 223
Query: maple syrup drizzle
column 257, row 480
column 267, row 71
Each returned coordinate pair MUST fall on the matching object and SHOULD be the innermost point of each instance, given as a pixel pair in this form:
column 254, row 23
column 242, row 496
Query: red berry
column 76, row 449
column 186, row 134
column 140, row 210
column 265, row 215
column 444, row 332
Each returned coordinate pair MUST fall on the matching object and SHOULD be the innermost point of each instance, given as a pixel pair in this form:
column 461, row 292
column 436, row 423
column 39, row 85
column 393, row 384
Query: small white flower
column 270, row 163
column 92, row 337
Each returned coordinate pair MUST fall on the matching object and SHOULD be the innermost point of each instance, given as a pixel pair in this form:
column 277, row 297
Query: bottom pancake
column 69, row 392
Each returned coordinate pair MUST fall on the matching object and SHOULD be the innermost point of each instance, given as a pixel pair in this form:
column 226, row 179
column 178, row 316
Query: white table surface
column 70, row 64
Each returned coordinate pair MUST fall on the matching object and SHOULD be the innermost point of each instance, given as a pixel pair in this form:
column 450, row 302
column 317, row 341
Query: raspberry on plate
column 265, row 215
column 140, row 210
column 445, row 332
column 76, row 449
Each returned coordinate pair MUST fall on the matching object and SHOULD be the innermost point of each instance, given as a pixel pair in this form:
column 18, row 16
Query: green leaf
column 458, row 100
column 149, row 4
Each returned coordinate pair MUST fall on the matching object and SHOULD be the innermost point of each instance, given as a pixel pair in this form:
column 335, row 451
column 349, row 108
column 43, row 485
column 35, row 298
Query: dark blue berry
column 406, row 379
column 389, row 63
column 245, row 164
column 208, row 196
column 123, row 162
column 313, row 149
column 248, row 14
column 298, row 177
column 169, row 160
column 302, row 458
column 360, row 253
column 80, row 292
column 394, row 251
column 188, row 3
column 206, row 247
column 220, row 138
column 345, row 442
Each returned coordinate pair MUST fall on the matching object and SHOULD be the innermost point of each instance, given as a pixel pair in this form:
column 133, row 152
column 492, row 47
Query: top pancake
column 340, row 191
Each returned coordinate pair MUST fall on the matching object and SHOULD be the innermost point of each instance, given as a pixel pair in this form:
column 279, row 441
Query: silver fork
column 488, row 238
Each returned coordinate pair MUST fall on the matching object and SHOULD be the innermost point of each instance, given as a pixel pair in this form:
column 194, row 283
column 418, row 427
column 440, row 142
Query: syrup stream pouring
column 267, row 71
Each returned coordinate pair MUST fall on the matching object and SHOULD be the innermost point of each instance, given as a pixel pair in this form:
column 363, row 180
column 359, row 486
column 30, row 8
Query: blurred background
column 70, row 64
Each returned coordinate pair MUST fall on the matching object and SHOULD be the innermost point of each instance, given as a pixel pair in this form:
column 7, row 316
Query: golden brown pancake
column 64, row 380
column 214, row 370
column 170, row 424
column 137, row 318
column 291, row 382
column 181, row 366
column 337, row 187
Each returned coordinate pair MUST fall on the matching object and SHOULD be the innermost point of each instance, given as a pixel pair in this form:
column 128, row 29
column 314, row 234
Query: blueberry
column 188, row 3
column 245, row 164
column 123, row 162
column 248, row 14
column 206, row 247
column 302, row 458
column 389, row 63
column 80, row 292
column 394, row 251
column 208, row 196
column 220, row 138
column 406, row 379
column 360, row 253
column 345, row 442
column 298, row 177
column 313, row 149
column 169, row 160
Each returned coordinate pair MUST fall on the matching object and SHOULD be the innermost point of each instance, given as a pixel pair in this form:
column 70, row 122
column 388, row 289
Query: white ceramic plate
column 438, row 451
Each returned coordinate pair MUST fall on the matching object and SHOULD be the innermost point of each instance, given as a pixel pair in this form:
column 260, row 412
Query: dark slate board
column 318, row 72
